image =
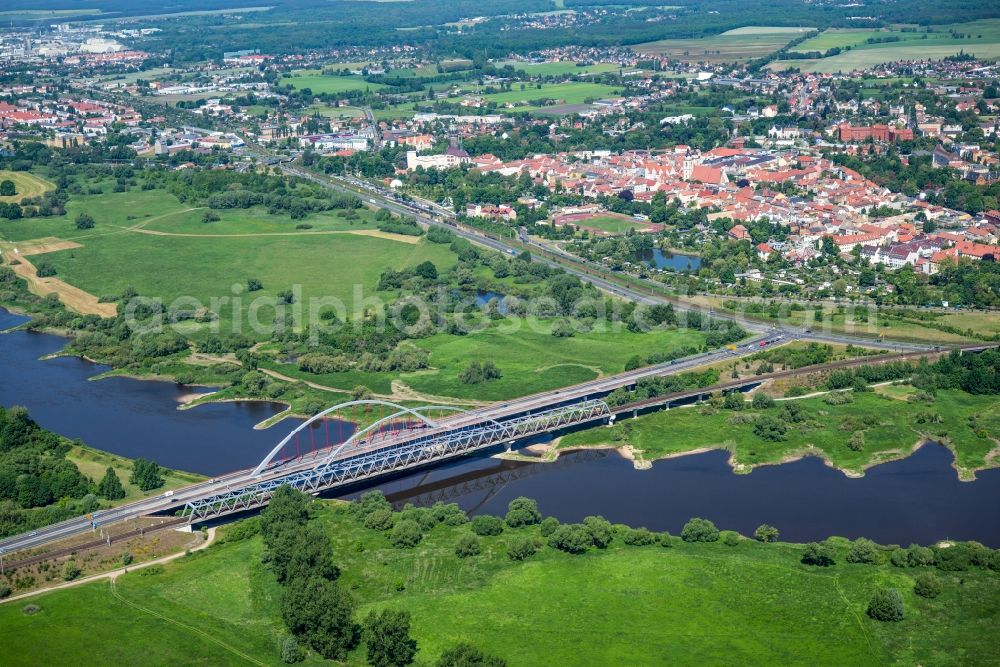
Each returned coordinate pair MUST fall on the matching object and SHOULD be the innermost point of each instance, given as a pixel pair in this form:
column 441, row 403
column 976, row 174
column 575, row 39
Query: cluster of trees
column 652, row 387
column 38, row 484
column 477, row 372
column 387, row 222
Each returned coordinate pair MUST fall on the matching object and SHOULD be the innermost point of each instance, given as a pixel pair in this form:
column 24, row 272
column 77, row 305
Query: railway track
column 68, row 551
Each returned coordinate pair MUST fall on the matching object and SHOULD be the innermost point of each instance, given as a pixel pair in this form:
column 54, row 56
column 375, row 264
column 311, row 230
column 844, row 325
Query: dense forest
column 320, row 24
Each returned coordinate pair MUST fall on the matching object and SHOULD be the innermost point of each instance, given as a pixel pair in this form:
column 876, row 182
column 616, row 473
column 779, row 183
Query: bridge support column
column 611, row 421
column 635, row 414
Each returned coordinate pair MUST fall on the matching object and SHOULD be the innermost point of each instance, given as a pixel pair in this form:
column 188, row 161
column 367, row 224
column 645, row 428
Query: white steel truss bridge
column 386, row 446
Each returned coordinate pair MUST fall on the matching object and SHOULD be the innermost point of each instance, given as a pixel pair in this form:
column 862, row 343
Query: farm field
column 597, row 608
column 26, row 184
column 836, row 38
column 320, row 83
column 980, row 38
column 734, row 45
column 560, row 68
column 826, row 431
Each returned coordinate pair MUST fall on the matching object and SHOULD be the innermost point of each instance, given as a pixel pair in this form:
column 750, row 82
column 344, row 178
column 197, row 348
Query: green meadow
column 888, row 418
column 732, row 46
column 149, row 241
column 320, row 83
column 560, row 68
column 694, row 603
column 980, row 38
column 530, row 359
column 613, row 224
column 571, row 92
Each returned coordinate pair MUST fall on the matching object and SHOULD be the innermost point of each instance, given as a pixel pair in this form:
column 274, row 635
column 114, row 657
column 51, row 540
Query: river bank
column 851, row 434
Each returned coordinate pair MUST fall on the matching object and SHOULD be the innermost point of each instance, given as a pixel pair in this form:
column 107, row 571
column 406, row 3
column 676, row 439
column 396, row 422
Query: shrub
column 639, row 537
column 424, row 517
column 467, row 545
column 467, row 655
column 522, row 548
column 770, row 428
column 699, row 530
column 766, row 533
column 730, row 538
column 84, row 221
column 919, row 556
column 820, row 555
column 839, row 398
column 71, row 571
column 523, row 512
column 572, row 538
column 31, row 609
column 486, row 524
column 927, row 586
column 406, row 534
column 857, row 441
column 762, row 401
column 886, row 605
column 863, row 551
column 548, row 526
column 127, row 558
column 5, row 591
column 733, row 401
column 995, row 561
column 899, row 557
column 379, row 520
column 953, row 559
column 666, row 539
column 291, row 652
column 456, row 519
column 600, row 530
column 387, row 638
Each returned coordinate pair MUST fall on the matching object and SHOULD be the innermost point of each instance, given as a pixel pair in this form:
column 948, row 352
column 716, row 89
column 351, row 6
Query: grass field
column 335, row 112
column 560, row 68
column 529, row 357
column 691, row 604
column 320, row 83
column 93, row 463
column 612, row 224
column 532, row 360
column 732, row 46
column 26, row 184
column 571, row 92
column 836, row 37
column 214, row 256
column 826, row 432
column 980, row 38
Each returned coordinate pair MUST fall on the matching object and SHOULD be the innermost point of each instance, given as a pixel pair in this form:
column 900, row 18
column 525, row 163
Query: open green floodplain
column 693, row 603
